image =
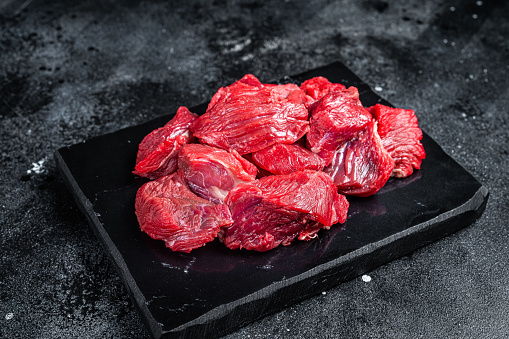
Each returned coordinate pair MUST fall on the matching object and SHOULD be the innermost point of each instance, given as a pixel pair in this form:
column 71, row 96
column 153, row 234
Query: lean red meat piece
column 317, row 87
column 400, row 133
column 277, row 209
column 286, row 158
column 335, row 118
column 361, row 165
column 248, row 116
column 158, row 151
column 212, row 172
column 167, row 210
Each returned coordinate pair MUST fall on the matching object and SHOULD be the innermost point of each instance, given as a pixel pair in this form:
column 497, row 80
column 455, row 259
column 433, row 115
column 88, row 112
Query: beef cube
column 212, row 172
column 277, row 209
column 400, row 133
column 317, row 87
column 335, row 118
column 158, row 151
column 167, row 210
column 248, row 116
column 286, row 158
column 361, row 165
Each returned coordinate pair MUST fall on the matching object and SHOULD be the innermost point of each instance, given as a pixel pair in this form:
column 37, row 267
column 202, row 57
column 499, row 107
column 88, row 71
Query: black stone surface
column 71, row 71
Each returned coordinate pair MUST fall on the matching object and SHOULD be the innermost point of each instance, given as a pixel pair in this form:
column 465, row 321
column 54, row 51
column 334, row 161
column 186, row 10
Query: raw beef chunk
column 286, row 158
column 158, row 151
column 335, row 118
column 401, row 135
column 248, row 116
column 277, row 209
column 212, row 172
column 319, row 86
column 361, row 165
column 167, row 210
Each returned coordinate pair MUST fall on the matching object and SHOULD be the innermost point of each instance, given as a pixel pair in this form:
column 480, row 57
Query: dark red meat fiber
column 317, row 87
column 335, row 118
column 285, row 159
column 400, row 133
column 167, row 210
column 277, row 209
column 248, row 116
column 361, row 165
column 212, row 172
column 158, row 151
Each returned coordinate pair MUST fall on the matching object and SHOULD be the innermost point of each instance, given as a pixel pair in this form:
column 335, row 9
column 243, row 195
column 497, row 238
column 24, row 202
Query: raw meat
column 158, row 151
column 317, row 87
column 277, row 209
column 212, row 172
column 248, row 116
column 400, row 133
column 335, row 119
column 167, row 210
column 361, row 165
column 286, row 158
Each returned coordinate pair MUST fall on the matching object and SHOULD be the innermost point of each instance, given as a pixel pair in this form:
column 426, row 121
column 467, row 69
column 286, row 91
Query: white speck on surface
column 163, row 30
column 366, row 278
column 453, row 43
column 37, row 167
column 9, row 316
column 445, row 41
column 378, row 88
column 478, row 3
column 475, row 16
column 324, row 293
column 288, row 330
column 471, row 76
column 452, row 8
column 464, row 115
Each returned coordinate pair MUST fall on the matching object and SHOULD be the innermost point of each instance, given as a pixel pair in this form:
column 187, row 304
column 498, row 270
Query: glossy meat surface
column 287, row 158
column 212, row 172
column 167, row 210
column 158, row 151
column 248, row 116
column 277, row 209
column 361, row 165
column 335, row 118
column 400, row 133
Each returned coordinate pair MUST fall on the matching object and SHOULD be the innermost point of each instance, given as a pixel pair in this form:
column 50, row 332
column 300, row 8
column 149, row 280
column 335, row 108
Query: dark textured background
column 69, row 72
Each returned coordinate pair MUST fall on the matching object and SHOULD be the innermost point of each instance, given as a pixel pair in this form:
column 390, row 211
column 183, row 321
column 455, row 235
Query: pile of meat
column 267, row 164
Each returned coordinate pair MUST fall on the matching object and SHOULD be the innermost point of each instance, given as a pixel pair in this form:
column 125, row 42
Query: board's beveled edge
column 86, row 207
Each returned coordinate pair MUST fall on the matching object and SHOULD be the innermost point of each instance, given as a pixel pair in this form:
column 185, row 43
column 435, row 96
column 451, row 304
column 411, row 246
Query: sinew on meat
column 212, row 172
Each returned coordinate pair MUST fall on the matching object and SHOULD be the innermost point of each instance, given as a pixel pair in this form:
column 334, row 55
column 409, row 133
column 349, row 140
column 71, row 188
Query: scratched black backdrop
column 72, row 71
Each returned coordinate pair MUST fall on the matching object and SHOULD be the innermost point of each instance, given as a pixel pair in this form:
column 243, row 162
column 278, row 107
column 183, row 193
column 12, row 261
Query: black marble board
column 213, row 290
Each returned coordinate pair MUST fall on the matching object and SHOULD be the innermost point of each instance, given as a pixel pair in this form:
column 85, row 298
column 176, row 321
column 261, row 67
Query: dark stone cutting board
column 214, row 290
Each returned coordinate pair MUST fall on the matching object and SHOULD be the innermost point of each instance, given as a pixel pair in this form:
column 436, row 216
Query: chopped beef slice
column 335, row 118
column 400, row 133
column 287, row 158
column 361, row 165
column 167, row 210
column 248, row 116
column 277, row 209
column 158, row 151
column 212, row 172
column 317, row 87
